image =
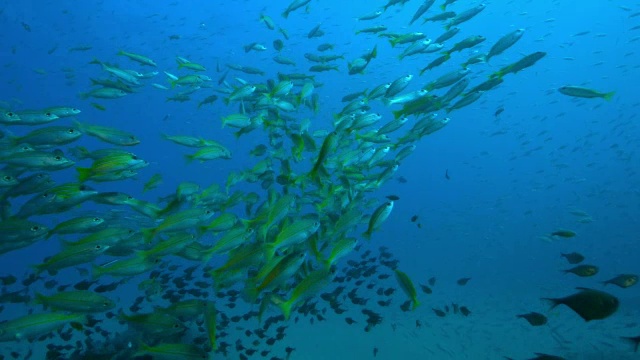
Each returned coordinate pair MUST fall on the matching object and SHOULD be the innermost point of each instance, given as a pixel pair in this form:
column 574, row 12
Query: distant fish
column 534, row 318
column 573, row 258
column 623, row 280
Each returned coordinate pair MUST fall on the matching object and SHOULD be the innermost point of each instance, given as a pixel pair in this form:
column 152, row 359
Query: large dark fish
column 589, row 304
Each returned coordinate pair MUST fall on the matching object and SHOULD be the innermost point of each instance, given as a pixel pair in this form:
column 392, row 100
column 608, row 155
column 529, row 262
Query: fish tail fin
column 189, row 158
column 84, row 95
column 285, row 306
column 443, row 7
column 40, row 300
column 367, row 235
column 83, row 173
column 208, row 254
column 251, row 291
column 95, row 61
column 608, row 96
column 416, row 303
column 96, row 271
column 120, row 52
column 397, row 114
column 148, row 234
column 285, row 14
column 269, row 252
column 314, row 175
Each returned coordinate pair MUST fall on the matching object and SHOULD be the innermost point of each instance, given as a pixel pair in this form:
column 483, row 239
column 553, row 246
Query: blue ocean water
column 513, row 178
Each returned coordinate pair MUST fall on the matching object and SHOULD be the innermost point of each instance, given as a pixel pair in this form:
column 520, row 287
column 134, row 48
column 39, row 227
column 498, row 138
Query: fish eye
column 10, row 114
column 58, row 157
column 134, row 157
column 35, row 228
column 7, row 178
column 176, row 326
column 106, row 304
column 48, row 114
column 132, row 137
column 97, row 219
column 98, row 247
column 82, row 188
column 71, row 131
column 129, row 197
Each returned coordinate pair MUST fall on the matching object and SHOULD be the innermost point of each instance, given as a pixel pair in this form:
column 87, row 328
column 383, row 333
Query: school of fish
column 200, row 250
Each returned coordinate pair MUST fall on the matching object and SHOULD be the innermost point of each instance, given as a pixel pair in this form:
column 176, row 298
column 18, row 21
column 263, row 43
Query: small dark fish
column 465, row 311
column 389, row 291
column 8, row 280
column 402, row 179
column 432, row 281
column 499, row 111
column 349, row 321
column 84, row 284
column 573, row 258
column 278, row 44
column 418, row 324
column 583, row 270
column 26, row 26
column 589, row 304
column 623, row 280
column 541, row 356
column 463, row 281
column 375, row 351
column 426, row 289
column 393, row 197
column 107, row 287
column 98, row 106
column 534, row 318
column 289, row 350
column 174, row 37
column 634, row 340
column 439, row 312
column 414, row 218
column 406, row 306
column 564, row 233
column 446, row 174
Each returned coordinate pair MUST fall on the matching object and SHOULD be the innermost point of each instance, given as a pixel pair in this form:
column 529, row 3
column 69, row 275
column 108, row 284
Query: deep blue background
column 514, row 178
